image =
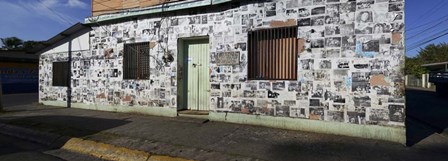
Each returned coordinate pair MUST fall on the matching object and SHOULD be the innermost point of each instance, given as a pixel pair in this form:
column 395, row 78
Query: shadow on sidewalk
column 10, row 100
column 73, row 126
column 427, row 113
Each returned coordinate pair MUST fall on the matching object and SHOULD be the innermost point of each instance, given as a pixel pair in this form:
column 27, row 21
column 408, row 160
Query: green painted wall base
column 393, row 134
column 156, row 111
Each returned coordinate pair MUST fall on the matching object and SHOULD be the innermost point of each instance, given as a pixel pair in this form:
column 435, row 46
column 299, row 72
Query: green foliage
column 430, row 54
column 11, row 42
column 413, row 67
column 14, row 43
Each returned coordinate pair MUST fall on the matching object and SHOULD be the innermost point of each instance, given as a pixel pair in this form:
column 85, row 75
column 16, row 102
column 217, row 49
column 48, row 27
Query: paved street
column 14, row 149
column 14, row 101
column 201, row 140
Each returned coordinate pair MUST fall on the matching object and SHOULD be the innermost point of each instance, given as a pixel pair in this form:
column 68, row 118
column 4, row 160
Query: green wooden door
column 198, row 75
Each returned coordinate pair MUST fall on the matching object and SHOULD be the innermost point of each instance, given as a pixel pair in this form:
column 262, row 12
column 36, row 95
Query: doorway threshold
column 193, row 114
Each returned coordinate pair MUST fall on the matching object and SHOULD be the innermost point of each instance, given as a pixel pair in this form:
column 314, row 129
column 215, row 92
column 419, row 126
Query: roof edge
column 153, row 9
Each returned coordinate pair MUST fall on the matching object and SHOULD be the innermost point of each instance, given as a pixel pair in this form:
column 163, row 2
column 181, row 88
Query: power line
column 425, row 24
column 56, row 13
column 429, row 39
column 436, row 7
column 427, row 29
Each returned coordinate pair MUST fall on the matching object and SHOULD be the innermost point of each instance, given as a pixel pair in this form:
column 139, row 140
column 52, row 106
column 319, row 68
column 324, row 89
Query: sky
column 42, row 19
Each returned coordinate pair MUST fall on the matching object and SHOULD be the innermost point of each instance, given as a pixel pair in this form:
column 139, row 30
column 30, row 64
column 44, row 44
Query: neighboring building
column 18, row 71
column 332, row 66
column 438, row 74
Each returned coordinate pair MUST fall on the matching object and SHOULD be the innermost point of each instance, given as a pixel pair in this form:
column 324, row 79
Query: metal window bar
column 60, row 73
column 136, row 61
column 273, row 54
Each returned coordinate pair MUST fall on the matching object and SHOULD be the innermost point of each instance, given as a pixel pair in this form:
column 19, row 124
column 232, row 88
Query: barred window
column 60, row 74
column 272, row 54
column 136, row 61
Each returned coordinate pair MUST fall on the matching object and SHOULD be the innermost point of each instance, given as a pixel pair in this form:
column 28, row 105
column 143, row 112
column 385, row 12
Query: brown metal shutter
column 273, row 54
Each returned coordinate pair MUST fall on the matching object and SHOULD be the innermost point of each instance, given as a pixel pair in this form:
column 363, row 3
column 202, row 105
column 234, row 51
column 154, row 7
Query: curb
column 93, row 148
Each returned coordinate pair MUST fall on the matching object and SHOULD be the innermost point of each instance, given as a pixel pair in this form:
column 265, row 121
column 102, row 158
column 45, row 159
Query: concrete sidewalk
column 203, row 140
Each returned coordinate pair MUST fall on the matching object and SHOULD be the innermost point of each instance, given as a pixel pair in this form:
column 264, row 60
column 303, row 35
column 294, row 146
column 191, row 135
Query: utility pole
column 1, row 94
column 69, row 75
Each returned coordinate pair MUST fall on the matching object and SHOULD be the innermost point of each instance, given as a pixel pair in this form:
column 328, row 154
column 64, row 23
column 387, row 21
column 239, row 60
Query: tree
column 430, row 54
column 29, row 45
column 12, row 43
column 413, row 67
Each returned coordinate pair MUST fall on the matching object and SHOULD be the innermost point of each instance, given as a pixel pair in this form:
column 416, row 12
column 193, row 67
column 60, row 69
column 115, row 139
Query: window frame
column 60, row 73
column 277, row 35
column 135, row 48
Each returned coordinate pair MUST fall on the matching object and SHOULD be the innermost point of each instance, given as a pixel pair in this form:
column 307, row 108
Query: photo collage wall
column 350, row 62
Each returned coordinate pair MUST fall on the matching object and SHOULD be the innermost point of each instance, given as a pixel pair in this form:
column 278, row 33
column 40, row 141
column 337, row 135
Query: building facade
column 330, row 66
column 18, row 72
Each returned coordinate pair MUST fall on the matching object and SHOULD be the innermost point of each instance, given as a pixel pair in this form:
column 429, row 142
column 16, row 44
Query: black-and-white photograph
column 289, row 102
column 304, row 22
column 320, row 75
column 265, row 85
column 362, row 101
column 227, row 58
column 333, row 42
column 393, row 7
column 215, row 86
column 371, row 46
column 342, row 64
column 317, row 43
column 347, row 7
column 297, row 112
column 396, row 113
column 325, row 64
column 381, row 28
column 356, row 117
column 293, row 86
column 365, row 4
column 347, row 30
column 174, row 21
column 305, row 2
column 304, row 12
column 332, row 30
column 379, row 115
column 361, row 87
column 331, row 53
column 318, row 21
column 319, row 2
column 360, row 76
column 381, row 90
column 364, row 17
column 333, row 10
column 282, row 111
column 307, row 64
column 272, row 94
column 270, row 9
column 363, row 28
column 194, row 20
column 348, row 41
column 315, row 102
column 317, row 113
column 278, row 86
column 318, row 11
column 337, row 116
